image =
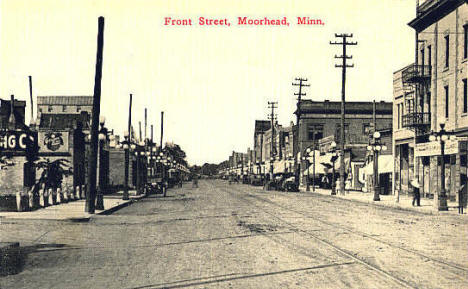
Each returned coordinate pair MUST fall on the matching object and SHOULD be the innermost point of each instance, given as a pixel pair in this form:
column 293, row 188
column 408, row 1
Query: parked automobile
column 275, row 183
column 256, row 180
column 289, row 183
column 233, row 179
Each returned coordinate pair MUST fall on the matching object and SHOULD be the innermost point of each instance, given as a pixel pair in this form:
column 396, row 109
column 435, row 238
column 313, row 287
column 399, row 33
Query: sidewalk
column 73, row 211
column 405, row 202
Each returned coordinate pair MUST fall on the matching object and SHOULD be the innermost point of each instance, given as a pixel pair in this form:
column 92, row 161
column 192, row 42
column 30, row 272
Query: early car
column 256, row 180
column 289, row 184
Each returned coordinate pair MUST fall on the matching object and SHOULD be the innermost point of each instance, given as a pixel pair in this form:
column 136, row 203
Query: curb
column 107, row 211
column 382, row 205
column 118, row 207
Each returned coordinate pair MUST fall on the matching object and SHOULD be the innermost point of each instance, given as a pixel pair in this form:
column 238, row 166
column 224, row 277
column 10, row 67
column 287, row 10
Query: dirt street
column 239, row 236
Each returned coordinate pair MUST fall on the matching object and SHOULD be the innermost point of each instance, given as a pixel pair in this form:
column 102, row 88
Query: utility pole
column 31, row 98
column 127, row 150
column 151, row 160
column 296, row 146
column 146, row 121
column 343, row 67
column 261, row 154
column 92, row 173
column 272, row 116
column 162, row 130
column 139, row 128
column 374, row 117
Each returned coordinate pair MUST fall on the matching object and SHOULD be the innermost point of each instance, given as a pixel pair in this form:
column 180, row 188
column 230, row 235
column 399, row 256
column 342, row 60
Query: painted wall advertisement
column 53, row 141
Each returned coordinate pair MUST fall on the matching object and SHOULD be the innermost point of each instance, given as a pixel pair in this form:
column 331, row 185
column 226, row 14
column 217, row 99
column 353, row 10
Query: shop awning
column 385, row 165
column 326, row 160
column 320, row 167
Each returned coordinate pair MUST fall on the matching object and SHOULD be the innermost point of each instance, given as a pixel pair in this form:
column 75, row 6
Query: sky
column 212, row 82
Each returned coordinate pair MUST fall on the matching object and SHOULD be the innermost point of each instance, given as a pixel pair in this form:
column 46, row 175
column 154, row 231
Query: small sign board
column 16, row 140
column 53, row 141
column 433, row 148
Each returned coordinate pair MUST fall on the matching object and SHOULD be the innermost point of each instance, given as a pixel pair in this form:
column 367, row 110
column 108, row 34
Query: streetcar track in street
column 362, row 234
column 172, row 243
column 363, row 262
column 216, row 279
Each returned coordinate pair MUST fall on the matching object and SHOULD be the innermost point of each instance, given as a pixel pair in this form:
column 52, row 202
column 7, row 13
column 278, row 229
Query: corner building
column 431, row 91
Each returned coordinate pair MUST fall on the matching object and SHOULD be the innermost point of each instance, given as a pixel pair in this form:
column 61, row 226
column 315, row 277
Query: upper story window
column 429, row 57
column 465, row 97
column 447, row 50
column 64, row 108
column 78, row 109
column 465, row 41
column 399, row 114
column 422, row 58
column 338, row 131
column 366, row 128
column 49, row 108
column 446, row 88
column 314, row 132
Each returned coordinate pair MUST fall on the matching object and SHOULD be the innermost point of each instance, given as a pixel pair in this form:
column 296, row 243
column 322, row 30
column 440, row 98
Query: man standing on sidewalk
column 416, row 192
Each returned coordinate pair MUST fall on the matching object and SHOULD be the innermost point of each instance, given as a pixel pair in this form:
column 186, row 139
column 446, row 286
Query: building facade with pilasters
column 321, row 120
column 430, row 95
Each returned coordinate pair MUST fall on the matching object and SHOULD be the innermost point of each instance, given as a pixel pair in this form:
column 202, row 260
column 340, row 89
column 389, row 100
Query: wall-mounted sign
column 53, row 141
column 433, row 148
column 16, row 140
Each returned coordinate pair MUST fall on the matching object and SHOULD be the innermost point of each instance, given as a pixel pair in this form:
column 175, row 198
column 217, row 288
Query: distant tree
column 176, row 152
column 209, row 169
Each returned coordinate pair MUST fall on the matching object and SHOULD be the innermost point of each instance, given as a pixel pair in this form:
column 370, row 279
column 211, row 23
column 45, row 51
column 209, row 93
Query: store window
column 316, row 129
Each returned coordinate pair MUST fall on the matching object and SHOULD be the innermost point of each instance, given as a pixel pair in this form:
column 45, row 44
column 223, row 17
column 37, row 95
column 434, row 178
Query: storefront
column 429, row 167
column 403, row 167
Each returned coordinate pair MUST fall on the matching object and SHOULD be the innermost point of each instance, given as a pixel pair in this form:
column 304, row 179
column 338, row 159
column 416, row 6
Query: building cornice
column 432, row 11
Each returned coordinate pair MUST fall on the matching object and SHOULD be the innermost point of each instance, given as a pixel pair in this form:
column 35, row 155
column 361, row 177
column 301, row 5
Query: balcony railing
column 416, row 73
column 416, row 119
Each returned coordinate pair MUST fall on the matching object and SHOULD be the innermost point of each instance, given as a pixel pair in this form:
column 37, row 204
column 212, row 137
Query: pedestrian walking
column 416, row 192
column 461, row 198
column 195, row 181
column 325, row 182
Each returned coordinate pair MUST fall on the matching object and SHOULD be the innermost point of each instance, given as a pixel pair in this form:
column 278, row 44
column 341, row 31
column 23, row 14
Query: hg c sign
column 16, row 140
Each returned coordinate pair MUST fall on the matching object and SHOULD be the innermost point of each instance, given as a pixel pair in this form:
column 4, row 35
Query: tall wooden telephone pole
column 272, row 116
column 92, row 165
column 127, row 152
column 162, row 130
column 296, row 146
column 343, row 67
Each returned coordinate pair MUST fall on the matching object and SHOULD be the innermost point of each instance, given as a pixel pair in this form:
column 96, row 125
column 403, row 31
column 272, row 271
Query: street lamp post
column 442, row 137
column 308, row 151
column 306, row 159
column 333, row 160
column 126, row 147
column 376, row 147
column 102, row 139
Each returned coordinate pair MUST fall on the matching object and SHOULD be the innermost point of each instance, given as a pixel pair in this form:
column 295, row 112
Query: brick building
column 64, row 105
column 320, row 124
column 19, row 110
column 431, row 91
column 261, row 126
